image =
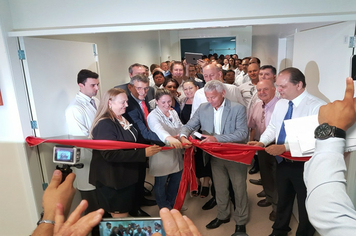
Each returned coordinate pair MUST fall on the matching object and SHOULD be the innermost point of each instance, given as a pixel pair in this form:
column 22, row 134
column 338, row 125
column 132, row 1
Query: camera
column 67, row 155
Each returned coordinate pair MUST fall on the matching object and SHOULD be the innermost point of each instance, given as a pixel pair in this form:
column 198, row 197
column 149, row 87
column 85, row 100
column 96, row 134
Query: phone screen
column 131, row 226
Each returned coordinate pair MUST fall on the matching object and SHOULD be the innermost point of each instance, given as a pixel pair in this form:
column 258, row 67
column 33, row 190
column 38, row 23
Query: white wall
column 266, row 49
column 17, row 198
column 117, row 51
column 325, row 61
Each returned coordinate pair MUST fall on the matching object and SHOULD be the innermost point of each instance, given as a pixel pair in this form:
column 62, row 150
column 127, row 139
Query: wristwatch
column 325, row 131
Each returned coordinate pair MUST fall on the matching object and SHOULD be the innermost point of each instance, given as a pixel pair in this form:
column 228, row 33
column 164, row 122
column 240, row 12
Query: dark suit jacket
column 115, row 168
column 135, row 116
column 150, row 93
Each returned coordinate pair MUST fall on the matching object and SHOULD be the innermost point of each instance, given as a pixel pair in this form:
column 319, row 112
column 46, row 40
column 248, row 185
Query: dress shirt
column 255, row 99
column 166, row 73
column 150, row 78
column 139, row 102
column 255, row 120
column 217, row 118
column 241, row 78
column 107, row 231
column 232, row 93
column 80, row 114
column 303, row 105
column 329, row 208
column 237, row 72
column 154, row 86
column 225, row 67
column 140, row 234
column 247, row 89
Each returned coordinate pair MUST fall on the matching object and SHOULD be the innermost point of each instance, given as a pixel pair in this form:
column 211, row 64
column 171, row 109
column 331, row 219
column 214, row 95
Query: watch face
column 323, row 131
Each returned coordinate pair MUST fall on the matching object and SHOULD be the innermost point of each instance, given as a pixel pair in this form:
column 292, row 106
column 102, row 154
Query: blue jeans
column 166, row 196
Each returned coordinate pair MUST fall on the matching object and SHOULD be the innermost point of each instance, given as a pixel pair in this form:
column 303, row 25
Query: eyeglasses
column 140, row 88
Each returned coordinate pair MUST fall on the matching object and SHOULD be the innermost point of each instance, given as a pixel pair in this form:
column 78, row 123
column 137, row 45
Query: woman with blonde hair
column 114, row 173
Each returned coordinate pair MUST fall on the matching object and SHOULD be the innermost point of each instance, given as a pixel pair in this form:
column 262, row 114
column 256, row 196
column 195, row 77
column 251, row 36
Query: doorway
column 206, row 46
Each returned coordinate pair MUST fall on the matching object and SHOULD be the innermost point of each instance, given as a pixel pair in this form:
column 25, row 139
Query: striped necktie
column 92, row 102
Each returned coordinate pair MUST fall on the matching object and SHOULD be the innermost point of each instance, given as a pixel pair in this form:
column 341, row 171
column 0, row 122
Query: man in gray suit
column 221, row 120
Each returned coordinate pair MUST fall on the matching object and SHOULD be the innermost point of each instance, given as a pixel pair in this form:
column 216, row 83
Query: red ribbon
column 229, row 151
column 88, row 143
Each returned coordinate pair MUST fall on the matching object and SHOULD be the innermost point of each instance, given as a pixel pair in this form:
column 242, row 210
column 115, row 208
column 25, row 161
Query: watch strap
column 339, row 133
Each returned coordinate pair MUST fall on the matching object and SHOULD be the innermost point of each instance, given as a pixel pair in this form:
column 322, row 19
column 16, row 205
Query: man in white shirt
column 296, row 102
column 107, row 230
column 248, row 89
column 165, row 68
column 157, row 79
column 213, row 72
column 80, row 114
column 330, row 209
column 242, row 77
column 153, row 67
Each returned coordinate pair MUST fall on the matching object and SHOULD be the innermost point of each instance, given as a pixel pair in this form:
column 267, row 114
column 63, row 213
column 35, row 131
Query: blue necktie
column 282, row 134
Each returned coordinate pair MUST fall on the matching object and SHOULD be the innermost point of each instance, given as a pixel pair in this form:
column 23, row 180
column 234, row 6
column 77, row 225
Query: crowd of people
column 225, row 99
column 131, row 229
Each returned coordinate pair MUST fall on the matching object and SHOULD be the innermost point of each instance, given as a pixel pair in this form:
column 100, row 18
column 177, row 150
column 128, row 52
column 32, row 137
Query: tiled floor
column 258, row 225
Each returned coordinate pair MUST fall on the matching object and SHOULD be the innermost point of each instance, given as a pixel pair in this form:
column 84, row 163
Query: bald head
column 212, row 72
column 266, row 90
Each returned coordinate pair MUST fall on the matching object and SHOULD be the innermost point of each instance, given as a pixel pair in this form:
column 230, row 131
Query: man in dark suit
column 137, row 92
column 221, row 120
column 136, row 69
column 136, row 114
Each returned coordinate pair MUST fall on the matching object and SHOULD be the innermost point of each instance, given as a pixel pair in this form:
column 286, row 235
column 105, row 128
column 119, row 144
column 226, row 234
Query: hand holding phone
column 175, row 224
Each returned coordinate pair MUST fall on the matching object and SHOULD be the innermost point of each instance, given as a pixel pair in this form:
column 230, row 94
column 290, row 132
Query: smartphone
column 198, row 135
column 131, row 226
column 191, row 57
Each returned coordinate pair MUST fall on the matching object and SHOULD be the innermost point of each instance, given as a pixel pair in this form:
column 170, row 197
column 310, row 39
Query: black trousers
column 289, row 184
column 139, row 196
column 93, row 205
column 92, row 199
column 268, row 169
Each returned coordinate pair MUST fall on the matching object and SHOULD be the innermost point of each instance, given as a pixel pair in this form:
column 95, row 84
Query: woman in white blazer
column 166, row 165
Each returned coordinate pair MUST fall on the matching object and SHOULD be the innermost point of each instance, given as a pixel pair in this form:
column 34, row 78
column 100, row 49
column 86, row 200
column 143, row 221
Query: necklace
column 124, row 123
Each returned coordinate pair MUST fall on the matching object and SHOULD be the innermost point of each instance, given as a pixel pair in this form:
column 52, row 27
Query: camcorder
column 68, row 156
